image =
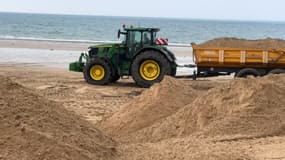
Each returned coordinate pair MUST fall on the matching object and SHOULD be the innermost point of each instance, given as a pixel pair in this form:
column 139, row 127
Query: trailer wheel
column 247, row 72
column 97, row 72
column 277, row 71
column 149, row 67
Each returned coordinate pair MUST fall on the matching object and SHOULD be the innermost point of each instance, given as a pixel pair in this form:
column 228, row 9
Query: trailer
column 242, row 62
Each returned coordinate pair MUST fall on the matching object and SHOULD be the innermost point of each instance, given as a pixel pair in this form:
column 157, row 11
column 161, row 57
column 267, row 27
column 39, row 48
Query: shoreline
column 60, row 54
column 44, row 44
column 59, row 58
column 64, row 43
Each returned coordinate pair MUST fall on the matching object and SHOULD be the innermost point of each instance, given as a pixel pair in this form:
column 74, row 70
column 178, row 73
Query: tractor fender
column 168, row 54
column 104, row 59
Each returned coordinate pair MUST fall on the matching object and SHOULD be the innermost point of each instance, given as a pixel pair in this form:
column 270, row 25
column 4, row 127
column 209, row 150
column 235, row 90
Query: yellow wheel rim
column 97, row 72
column 149, row 70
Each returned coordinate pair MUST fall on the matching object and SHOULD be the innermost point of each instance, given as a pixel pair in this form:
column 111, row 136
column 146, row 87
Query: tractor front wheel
column 149, row 67
column 97, row 72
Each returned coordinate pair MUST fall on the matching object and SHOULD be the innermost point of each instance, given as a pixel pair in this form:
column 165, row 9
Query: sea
column 84, row 28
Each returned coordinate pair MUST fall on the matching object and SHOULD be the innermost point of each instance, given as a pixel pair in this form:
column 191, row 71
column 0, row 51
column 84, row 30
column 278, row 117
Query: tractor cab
column 137, row 38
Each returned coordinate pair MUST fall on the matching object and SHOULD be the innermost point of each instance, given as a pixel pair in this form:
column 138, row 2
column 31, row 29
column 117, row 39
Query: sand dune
column 33, row 128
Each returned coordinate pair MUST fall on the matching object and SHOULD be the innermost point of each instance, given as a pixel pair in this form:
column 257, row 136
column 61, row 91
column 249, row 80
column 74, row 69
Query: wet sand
column 180, row 51
column 47, row 45
column 56, row 54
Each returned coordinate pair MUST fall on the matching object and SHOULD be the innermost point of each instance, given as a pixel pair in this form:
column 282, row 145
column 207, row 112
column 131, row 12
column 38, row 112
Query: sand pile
column 33, row 128
column 242, row 108
column 243, row 43
column 159, row 102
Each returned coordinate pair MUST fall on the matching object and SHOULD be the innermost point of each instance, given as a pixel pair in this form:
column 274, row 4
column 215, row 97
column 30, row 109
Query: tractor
column 139, row 55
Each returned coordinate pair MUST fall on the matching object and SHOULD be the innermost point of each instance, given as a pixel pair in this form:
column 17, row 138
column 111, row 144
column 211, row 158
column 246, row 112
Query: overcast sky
column 272, row 10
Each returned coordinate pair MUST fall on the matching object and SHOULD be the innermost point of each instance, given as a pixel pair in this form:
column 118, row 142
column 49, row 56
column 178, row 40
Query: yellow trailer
column 241, row 61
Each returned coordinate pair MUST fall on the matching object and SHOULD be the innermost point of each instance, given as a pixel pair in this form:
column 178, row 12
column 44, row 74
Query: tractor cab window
column 134, row 37
column 123, row 38
column 146, row 38
column 154, row 35
column 134, row 42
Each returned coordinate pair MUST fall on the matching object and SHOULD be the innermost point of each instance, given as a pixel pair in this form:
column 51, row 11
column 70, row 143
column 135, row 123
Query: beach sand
column 41, row 67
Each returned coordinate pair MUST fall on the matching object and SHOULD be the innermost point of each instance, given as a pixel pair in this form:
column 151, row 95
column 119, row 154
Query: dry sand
column 155, row 104
column 182, row 123
column 268, row 43
column 241, row 108
column 32, row 127
column 69, row 88
column 222, row 121
column 50, row 113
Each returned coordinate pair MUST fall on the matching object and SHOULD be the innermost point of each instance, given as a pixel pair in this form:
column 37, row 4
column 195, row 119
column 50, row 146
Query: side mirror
column 119, row 34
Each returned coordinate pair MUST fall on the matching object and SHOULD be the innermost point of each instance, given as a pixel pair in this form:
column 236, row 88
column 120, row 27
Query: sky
column 258, row 10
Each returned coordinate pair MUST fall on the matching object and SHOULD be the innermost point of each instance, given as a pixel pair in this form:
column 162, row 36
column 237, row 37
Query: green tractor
column 139, row 55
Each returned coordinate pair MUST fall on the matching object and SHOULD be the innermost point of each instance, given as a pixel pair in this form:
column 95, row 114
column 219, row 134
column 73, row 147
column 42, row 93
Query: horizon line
column 123, row 16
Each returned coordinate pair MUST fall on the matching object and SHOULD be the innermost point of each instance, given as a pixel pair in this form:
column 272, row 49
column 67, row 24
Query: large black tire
column 277, row 71
column 106, row 77
column 173, row 72
column 115, row 77
column 247, row 72
column 163, row 63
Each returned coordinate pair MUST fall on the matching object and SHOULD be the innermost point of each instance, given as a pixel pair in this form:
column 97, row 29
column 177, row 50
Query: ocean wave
column 77, row 40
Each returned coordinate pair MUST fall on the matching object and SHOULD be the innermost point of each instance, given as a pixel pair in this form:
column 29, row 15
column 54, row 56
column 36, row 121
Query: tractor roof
column 142, row 29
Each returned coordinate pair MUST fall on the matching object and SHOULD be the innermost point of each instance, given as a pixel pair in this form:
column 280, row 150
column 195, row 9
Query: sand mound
column 33, row 128
column 244, row 108
column 247, row 107
column 243, row 43
column 159, row 102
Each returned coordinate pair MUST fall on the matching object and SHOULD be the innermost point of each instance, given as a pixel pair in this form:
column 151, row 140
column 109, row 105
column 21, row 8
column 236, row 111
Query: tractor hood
column 107, row 45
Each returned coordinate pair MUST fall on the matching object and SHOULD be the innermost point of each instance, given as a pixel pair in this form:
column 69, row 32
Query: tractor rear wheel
column 115, row 77
column 173, row 72
column 150, row 67
column 97, row 72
